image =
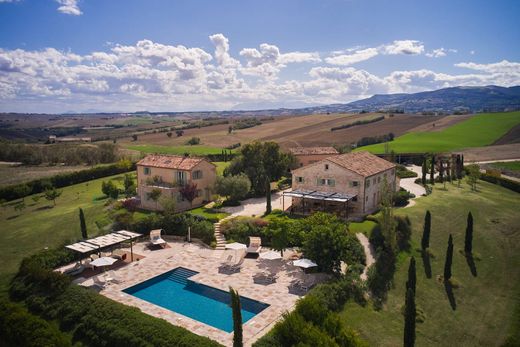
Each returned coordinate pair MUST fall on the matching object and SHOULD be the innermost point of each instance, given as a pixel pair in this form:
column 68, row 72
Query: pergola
column 97, row 243
column 318, row 195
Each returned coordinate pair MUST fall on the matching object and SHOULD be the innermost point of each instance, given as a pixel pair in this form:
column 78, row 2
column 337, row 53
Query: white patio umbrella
column 103, row 261
column 271, row 255
column 304, row 263
column 236, row 246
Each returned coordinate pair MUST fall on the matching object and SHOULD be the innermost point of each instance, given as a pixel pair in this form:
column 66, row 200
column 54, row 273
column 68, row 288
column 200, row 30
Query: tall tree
column 432, row 170
column 468, row 239
column 473, row 175
column 458, row 167
column 82, row 224
column 237, row 318
column 409, row 319
column 449, row 259
column 268, row 206
column 424, row 171
column 425, row 240
column 441, row 169
column 412, row 276
column 387, row 220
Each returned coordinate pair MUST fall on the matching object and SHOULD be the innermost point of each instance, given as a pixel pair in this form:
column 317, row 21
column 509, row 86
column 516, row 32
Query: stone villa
column 349, row 185
column 169, row 173
column 309, row 155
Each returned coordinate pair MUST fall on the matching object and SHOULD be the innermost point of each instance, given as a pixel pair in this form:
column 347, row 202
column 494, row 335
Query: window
column 374, row 181
column 354, row 183
column 299, row 179
column 367, row 183
column 326, row 182
column 326, row 166
column 331, row 182
column 180, row 198
column 147, row 171
column 197, row 175
column 180, row 177
column 379, row 179
column 199, row 193
column 322, row 181
column 366, row 199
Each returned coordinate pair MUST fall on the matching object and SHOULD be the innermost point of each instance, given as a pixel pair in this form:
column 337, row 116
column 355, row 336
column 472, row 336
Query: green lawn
column 179, row 150
column 42, row 225
column 485, row 304
column 221, row 165
column 507, row 165
column 480, row 130
column 208, row 213
column 364, row 227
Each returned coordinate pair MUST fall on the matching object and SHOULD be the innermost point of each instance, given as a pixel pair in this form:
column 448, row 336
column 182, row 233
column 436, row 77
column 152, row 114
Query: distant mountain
column 448, row 100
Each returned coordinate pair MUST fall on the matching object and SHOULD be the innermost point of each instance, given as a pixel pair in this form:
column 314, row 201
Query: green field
column 179, row 150
column 42, row 225
column 221, row 165
column 507, row 165
column 480, row 130
column 208, row 213
column 485, row 303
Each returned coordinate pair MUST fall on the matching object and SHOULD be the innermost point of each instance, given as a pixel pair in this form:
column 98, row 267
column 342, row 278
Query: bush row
column 501, row 181
column 92, row 318
column 370, row 140
column 314, row 321
column 359, row 122
column 18, row 327
column 21, row 190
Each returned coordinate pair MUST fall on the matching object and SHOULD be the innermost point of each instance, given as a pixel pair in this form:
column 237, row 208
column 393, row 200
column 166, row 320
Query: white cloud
column 69, row 7
column 440, row 52
column 155, row 76
column 349, row 59
column 404, row 47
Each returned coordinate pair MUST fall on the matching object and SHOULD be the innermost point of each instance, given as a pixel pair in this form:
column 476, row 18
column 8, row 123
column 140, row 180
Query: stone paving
column 280, row 295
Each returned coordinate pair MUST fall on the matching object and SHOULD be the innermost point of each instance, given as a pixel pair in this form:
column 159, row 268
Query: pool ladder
column 181, row 275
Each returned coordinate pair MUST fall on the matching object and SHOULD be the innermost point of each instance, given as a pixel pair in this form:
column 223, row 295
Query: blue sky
column 127, row 55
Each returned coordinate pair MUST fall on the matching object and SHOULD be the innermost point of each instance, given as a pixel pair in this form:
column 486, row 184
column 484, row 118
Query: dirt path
column 369, row 253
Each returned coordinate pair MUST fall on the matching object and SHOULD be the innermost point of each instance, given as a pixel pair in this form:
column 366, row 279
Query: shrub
column 401, row 197
column 235, row 188
column 240, row 228
column 193, row 141
column 359, row 122
column 20, row 328
column 403, row 172
column 501, row 181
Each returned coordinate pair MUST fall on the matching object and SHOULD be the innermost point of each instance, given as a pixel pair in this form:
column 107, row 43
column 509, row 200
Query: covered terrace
column 97, row 244
column 306, row 202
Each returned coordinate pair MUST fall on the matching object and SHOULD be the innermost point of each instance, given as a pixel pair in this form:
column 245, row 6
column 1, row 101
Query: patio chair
column 99, row 283
column 155, row 238
column 75, row 270
column 255, row 245
column 112, row 277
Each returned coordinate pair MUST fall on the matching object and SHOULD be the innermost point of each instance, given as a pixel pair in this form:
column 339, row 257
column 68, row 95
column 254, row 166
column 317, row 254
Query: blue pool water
column 174, row 291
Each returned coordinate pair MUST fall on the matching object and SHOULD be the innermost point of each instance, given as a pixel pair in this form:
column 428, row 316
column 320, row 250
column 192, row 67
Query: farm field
column 179, row 150
column 19, row 174
column 311, row 130
column 479, row 130
column 41, row 225
column 507, row 165
column 485, row 304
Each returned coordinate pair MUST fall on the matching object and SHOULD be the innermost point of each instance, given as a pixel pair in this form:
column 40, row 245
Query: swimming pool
column 174, row 291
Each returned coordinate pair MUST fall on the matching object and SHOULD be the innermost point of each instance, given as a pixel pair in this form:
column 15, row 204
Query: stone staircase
column 221, row 240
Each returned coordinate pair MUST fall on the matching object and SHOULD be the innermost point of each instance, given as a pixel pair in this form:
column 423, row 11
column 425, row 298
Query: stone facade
column 327, row 176
column 170, row 180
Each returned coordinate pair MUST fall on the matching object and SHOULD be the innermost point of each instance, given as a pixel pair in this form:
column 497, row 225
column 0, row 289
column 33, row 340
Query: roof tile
column 313, row 150
column 364, row 163
column 170, row 161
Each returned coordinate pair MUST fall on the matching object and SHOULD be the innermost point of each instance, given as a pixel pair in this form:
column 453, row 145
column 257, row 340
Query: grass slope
column 485, row 304
column 480, row 130
column 507, row 165
column 179, row 150
column 42, row 225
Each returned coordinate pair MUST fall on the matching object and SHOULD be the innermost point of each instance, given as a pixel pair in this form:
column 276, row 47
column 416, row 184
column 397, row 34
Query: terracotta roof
column 313, row 150
column 170, row 161
column 363, row 163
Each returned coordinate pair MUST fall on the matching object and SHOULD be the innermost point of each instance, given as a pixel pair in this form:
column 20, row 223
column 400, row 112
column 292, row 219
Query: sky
column 190, row 55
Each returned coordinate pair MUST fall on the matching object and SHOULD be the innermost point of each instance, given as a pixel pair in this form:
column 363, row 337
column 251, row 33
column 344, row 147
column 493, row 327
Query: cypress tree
column 425, row 241
column 412, row 276
column 237, row 318
column 424, row 171
column 468, row 240
column 432, row 170
column 409, row 319
column 449, row 259
column 268, row 208
column 82, row 224
column 441, row 170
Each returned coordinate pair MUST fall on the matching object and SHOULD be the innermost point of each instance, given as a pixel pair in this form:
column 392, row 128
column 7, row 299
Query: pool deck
column 280, row 295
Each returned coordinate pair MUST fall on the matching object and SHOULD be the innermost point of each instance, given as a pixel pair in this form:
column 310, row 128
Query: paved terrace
column 279, row 295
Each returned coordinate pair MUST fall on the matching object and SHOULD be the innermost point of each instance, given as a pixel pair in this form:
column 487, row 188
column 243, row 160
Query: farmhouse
column 348, row 185
column 169, row 174
column 309, row 155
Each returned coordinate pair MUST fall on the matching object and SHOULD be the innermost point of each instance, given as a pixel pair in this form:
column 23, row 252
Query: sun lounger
column 255, row 245
column 99, row 282
column 155, row 238
column 112, row 277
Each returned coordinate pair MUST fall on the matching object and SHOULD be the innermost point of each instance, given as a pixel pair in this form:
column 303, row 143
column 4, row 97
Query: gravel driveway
column 256, row 206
